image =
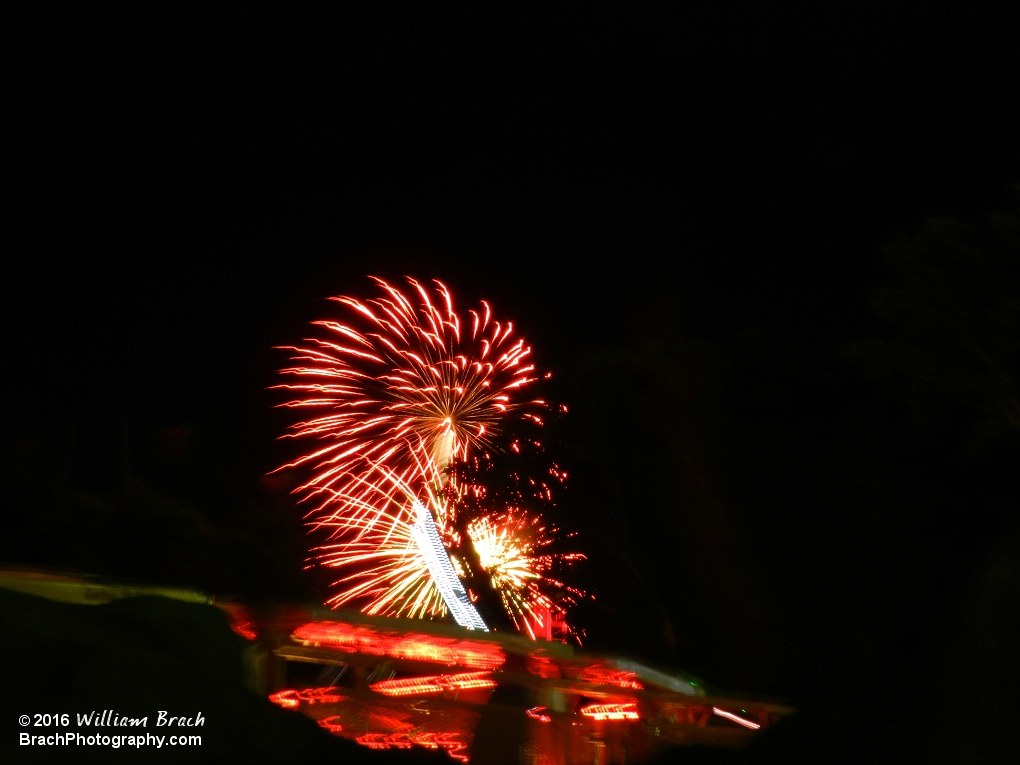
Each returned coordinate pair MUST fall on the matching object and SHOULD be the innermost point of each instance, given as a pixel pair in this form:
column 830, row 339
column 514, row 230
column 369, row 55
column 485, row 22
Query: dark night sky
column 189, row 193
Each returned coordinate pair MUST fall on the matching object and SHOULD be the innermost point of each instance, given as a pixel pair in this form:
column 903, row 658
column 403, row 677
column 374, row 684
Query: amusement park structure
column 484, row 697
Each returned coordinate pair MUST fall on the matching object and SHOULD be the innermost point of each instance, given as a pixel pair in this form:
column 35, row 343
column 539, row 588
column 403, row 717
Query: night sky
column 684, row 214
column 186, row 202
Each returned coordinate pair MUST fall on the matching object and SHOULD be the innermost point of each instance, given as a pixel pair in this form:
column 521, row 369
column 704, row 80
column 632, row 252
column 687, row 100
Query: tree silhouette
column 954, row 316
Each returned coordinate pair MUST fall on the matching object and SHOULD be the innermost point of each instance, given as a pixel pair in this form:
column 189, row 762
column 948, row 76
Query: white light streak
column 736, row 718
column 438, row 562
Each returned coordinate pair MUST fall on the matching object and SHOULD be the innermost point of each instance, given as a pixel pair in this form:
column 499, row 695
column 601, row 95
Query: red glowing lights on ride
column 474, row 654
column 240, row 620
column 434, row 684
column 543, row 666
column 245, row 630
column 453, row 743
column 332, row 724
column 290, row 699
column 599, row 674
column 611, row 711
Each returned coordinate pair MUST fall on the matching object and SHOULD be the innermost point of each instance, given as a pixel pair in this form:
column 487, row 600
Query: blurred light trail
column 434, row 684
column 474, row 654
column 627, row 711
column 736, row 718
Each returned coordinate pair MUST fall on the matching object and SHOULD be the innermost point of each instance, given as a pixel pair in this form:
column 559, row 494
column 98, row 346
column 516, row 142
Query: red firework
column 409, row 399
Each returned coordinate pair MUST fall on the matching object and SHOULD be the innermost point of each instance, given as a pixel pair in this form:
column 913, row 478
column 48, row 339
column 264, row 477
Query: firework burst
column 377, row 550
column 404, row 385
column 410, row 402
column 512, row 549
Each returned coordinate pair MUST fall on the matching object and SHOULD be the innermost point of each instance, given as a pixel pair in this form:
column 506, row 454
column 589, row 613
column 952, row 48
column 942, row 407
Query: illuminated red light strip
column 286, row 699
column 449, row 651
column 385, row 741
column 434, row 684
column 291, row 699
column 454, row 745
column 604, row 676
column 736, row 718
column 245, row 630
column 610, row 711
column 536, row 714
column 332, row 724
